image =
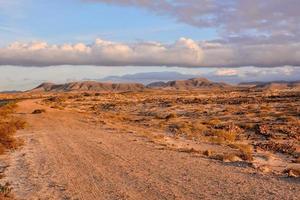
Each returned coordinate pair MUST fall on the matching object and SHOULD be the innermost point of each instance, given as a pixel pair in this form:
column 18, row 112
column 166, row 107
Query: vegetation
column 39, row 111
column 233, row 125
column 8, row 126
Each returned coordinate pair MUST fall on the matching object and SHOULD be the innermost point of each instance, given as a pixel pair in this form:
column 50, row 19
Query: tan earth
column 67, row 157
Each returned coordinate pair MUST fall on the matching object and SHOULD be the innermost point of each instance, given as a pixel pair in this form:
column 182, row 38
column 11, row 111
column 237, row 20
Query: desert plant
column 223, row 135
column 286, row 148
column 39, row 111
column 293, row 172
column 245, row 151
column 5, row 191
column 214, row 122
column 8, row 126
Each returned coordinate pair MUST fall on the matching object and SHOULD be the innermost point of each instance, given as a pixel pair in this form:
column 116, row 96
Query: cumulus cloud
column 183, row 53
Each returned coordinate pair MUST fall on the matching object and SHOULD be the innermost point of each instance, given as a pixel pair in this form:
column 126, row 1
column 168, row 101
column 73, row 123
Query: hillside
column 274, row 85
column 88, row 86
column 195, row 83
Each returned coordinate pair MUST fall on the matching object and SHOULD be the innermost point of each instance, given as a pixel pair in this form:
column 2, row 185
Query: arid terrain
column 181, row 140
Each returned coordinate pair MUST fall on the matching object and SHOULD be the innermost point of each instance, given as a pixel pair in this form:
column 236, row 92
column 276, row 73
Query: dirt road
column 66, row 157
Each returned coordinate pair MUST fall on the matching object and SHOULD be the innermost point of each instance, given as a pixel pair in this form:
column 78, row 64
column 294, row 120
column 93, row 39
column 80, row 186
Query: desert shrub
column 8, row 126
column 248, row 126
column 108, row 106
column 7, row 109
column 245, row 150
column 39, row 111
column 220, row 136
column 292, row 172
column 87, row 94
column 264, row 130
column 285, row 148
column 56, row 99
column 214, row 122
column 179, row 128
column 5, row 191
column 199, row 128
column 208, row 153
column 170, row 116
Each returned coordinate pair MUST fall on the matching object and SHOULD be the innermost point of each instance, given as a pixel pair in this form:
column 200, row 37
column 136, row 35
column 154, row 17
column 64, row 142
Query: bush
column 5, row 191
column 8, row 126
column 223, row 135
column 245, row 150
column 39, row 111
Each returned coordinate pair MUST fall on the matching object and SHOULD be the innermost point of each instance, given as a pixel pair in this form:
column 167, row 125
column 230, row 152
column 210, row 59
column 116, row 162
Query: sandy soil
column 66, row 157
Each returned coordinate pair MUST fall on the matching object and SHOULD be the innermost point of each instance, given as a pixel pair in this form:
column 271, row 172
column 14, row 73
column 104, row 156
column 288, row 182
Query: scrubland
column 153, row 144
column 259, row 128
column 9, row 124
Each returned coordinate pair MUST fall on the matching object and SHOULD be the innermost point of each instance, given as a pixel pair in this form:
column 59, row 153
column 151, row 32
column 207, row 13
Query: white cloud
column 183, row 53
column 227, row 72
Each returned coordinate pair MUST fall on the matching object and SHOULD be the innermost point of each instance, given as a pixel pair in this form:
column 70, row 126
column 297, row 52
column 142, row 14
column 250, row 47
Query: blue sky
column 70, row 21
column 230, row 40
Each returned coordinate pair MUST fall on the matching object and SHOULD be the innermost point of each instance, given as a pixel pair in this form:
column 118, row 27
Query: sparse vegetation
column 246, row 151
column 223, row 136
column 237, row 124
column 39, row 111
column 293, row 172
column 5, row 191
column 8, row 126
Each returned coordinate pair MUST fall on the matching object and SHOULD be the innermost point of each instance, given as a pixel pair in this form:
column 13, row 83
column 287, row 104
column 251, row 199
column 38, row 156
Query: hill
column 274, row 85
column 195, row 83
column 88, row 86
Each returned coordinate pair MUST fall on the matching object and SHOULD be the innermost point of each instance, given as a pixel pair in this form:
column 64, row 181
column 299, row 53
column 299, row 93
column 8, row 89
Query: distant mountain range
column 189, row 84
column 88, row 86
column 149, row 77
column 10, row 92
column 274, row 85
column 195, row 83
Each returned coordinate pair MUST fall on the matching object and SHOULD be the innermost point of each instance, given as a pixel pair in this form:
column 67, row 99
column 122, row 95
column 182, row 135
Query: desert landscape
column 149, row 100
column 187, row 139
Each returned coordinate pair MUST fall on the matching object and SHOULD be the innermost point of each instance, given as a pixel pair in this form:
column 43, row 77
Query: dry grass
column 240, row 121
column 246, row 151
column 5, row 192
column 8, row 126
column 285, row 148
column 293, row 172
column 221, row 136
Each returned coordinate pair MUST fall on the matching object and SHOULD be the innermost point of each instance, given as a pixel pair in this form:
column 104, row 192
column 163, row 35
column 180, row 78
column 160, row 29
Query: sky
column 66, row 40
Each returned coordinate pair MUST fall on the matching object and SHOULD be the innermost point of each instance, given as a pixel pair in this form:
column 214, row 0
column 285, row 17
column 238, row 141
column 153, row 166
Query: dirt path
column 65, row 157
